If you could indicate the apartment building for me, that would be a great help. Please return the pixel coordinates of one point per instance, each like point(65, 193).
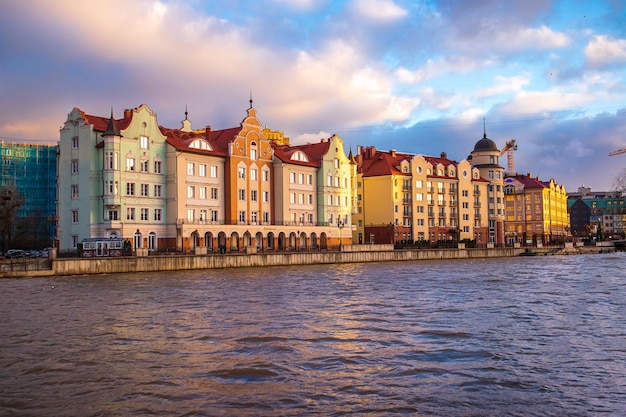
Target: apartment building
point(198, 190)
point(536, 211)
point(112, 179)
point(415, 198)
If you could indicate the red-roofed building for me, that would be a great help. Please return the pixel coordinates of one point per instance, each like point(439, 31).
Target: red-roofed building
point(536, 211)
point(405, 198)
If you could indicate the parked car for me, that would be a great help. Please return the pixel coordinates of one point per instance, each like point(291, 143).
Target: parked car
point(33, 253)
point(16, 253)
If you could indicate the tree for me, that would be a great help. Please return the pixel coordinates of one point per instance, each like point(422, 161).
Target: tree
point(11, 201)
point(619, 183)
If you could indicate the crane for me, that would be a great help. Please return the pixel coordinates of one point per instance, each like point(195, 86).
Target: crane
point(509, 148)
point(617, 152)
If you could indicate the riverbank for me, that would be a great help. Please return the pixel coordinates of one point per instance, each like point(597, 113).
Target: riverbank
point(348, 254)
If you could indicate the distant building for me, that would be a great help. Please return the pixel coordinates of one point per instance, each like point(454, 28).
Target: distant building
point(536, 211)
point(594, 213)
point(32, 170)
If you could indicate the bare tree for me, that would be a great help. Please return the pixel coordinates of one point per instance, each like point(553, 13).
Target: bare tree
point(11, 201)
point(619, 183)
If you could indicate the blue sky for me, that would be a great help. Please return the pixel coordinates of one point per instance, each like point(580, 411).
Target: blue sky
point(416, 76)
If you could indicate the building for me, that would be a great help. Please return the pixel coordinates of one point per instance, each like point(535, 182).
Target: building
point(486, 157)
point(536, 211)
point(405, 198)
point(205, 190)
point(597, 214)
point(112, 180)
point(30, 170)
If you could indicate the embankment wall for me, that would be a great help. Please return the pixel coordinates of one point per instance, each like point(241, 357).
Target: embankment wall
point(79, 266)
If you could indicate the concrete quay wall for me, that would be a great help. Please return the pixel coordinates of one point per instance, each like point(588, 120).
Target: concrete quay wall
point(154, 263)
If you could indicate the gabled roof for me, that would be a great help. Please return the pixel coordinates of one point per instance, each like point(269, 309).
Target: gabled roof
point(100, 124)
point(181, 140)
point(528, 182)
point(285, 152)
point(315, 151)
point(383, 163)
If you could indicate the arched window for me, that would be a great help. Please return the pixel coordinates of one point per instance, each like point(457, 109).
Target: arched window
point(200, 144)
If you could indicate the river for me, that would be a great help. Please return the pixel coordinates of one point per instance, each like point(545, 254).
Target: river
point(526, 336)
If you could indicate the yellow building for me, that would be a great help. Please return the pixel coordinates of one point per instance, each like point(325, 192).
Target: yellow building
point(536, 211)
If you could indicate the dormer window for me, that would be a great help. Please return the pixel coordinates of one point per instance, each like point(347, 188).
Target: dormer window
point(200, 144)
point(299, 156)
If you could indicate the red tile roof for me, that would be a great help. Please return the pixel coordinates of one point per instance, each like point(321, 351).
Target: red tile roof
point(284, 153)
point(100, 123)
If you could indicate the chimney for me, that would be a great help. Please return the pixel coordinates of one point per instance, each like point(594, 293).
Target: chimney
point(393, 153)
point(444, 155)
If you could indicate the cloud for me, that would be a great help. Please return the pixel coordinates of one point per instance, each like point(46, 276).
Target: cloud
point(378, 10)
point(504, 85)
point(603, 51)
point(434, 68)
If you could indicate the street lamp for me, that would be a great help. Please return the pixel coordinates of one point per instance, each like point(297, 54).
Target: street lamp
point(340, 225)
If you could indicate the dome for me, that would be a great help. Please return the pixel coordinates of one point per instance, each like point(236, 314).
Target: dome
point(485, 144)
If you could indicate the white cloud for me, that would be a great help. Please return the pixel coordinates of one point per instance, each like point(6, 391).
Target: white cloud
point(603, 50)
point(305, 138)
point(378, 10)
point(504, 85)
point(533, 38)
point(441, 67)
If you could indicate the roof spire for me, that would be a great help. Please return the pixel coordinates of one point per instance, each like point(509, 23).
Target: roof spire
point(250, 98)
point(186, 113)
point(484, 128)
point(111, 128)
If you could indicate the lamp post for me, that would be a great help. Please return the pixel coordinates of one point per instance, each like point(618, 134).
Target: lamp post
point(340, 225)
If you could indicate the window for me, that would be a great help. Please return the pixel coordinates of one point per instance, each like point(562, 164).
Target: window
point(191, 215)
point(301, 179)
point(130, 188)
point(266, 196)
point(143, 165)
point(143, 142)
point(310, 180)
point(130, 164)
point(213, 215)
point(74, 216)
point(266, 217)
point(74, 191)
point(202, 193)
point(336, 163)
point(113, 215)
point(157, 167)
point(74, 166)
point(241, 173)
point(301, 199)
point(266, 175)
point(203, 216)
point(242, 216)
point(253, 154)
point(329, 180)
point(191, 168)
point(157, 190)
point(191, 191)
point(310, 198)
point(145, 215)
point(490, 175)
point(292, 198)
point(213, 193)
point(292, 177)
point(253, 174)
point(110, 160)
point(213, 171)
point(242, 194)
point(75, 142)
point(202, 170)
point(253, 195)
point(144, 190)
point(130, 213)
point(157, 214)
point(110, 187)
point(254, 217)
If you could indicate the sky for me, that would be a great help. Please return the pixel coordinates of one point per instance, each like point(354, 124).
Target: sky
point(421, 77)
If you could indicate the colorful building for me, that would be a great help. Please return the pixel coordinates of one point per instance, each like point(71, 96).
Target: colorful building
point(536, 211)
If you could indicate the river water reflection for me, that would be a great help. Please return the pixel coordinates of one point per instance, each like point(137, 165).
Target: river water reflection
point(517, 336)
